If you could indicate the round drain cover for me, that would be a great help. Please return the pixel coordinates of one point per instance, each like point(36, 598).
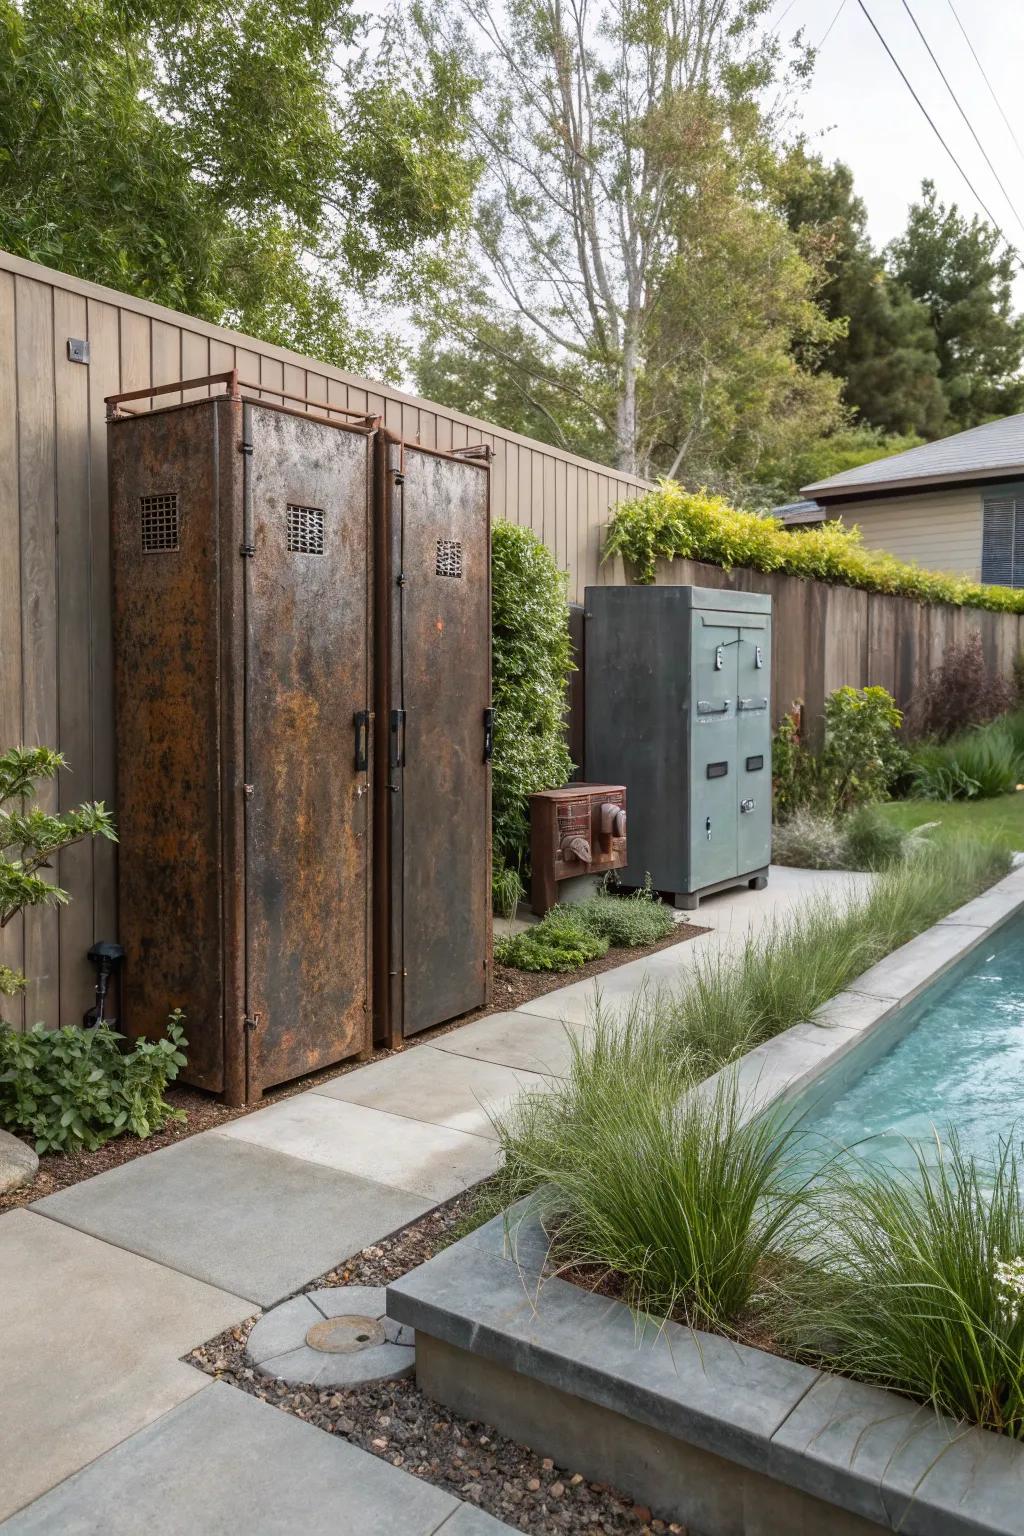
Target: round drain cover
point(345, 1335)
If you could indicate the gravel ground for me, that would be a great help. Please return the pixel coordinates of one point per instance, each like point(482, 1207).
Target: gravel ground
point(397, 1422)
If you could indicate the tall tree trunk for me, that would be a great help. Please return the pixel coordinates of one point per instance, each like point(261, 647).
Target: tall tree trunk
point(625, 415)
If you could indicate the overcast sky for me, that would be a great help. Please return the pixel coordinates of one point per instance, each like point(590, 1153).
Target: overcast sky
point(857, 108)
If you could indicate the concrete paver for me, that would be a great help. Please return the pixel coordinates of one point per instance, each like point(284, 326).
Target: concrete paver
point(244, 1217)
point(140, 1264)
point(90, 1339)
point(536, 1043)
point(429, 1084)
point(412, 1155)
point(224, 1462)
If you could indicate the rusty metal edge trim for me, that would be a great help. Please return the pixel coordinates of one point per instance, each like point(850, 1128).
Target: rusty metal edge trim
point(365, 427)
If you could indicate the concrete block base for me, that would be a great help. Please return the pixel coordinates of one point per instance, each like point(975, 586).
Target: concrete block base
point(680, 1482)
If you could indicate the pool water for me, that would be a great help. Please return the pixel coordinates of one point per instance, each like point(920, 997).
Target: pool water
point(961, 1066)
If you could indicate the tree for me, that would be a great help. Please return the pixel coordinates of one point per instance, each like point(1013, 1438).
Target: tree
point(251, 164)
point(618, 143)
point(963, 273)
point(31, 839)
point(884, 348)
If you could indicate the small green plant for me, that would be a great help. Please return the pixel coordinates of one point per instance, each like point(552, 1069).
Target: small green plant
point(671, 523)
point(979, 763)
point(569, 936)
point(918, 1282)
point(77, 1088)
point(627, 922)
point(31, 839)
point(507, 889)
point(872, 842)
point(559, 942)
point(632, 1171)
point(861, 758)
point(532, 660)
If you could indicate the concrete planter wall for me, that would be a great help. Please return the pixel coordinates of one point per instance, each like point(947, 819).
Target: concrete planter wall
point(727, 1439)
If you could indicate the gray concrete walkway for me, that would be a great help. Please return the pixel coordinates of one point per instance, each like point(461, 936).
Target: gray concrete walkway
point(106, 1285)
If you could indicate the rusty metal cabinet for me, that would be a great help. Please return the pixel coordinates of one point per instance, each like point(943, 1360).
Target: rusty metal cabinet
point(433, 939)
point(243, 577)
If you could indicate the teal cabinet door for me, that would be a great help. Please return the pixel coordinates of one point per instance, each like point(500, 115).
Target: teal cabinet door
point(714, 848)
point(754, 744)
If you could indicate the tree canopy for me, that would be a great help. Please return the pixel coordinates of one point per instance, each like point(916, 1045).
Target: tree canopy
point(251, 163)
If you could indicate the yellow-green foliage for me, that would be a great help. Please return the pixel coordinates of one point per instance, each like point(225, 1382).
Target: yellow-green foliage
point(671, 523)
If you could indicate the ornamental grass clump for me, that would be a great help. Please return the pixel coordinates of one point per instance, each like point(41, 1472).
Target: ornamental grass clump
point(918, 1282)
point(634, 1171)
point(732, 1002)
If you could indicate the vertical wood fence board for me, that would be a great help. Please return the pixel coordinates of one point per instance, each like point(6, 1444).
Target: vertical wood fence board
point(74, 684)
point(12, 937)
point(104, 379)
point(37, 493)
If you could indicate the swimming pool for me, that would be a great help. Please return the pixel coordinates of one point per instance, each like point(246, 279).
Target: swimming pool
point(958, 1062)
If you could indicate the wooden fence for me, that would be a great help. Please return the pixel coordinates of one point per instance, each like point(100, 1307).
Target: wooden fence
point(827, 637)
point(55, 647)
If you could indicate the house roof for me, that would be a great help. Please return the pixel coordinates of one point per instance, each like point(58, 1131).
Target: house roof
point(989, 452)
point(795, 513)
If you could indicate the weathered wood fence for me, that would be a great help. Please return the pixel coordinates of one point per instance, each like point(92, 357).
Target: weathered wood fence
point(827, 637)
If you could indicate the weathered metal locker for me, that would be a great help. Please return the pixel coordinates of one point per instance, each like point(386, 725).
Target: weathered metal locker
point(243, 574)
point(678, 709)
point(434, 732)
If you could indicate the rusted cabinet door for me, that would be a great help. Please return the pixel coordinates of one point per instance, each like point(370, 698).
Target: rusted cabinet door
point(307, 811)
point(441, 827)
point(165, 485)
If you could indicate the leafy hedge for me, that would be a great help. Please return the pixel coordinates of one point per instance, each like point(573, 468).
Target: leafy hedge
point(532, 660)
point(670, 523)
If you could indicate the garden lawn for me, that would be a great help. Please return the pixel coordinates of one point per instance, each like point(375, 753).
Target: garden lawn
point(1001, 816)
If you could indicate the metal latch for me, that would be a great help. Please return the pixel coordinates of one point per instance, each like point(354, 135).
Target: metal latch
point(488, 735)
point(361, 722)
point(251, 1021)
point(707, 828)
point(746, 806)
point(398, 738)
point(751, 705)
point(758, 656)
point(247, 791)
point(707, 707)
point(719, 657)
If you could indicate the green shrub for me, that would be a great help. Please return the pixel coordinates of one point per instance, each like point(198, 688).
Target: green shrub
point(934, 774)
point(872, 842)
point(670, 523)
point(532, 660)
point(918, 1282)
point(76, 1088)
point(983, 762)
point(633, 1173)
point(732, 1002)
point(557, 943)
point(861, 758)
point(627, 922)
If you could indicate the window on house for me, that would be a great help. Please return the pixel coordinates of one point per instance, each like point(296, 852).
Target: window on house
point(1002, 541)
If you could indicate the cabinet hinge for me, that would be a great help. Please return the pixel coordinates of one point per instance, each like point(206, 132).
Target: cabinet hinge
point(247, 791)
point(250, 1021)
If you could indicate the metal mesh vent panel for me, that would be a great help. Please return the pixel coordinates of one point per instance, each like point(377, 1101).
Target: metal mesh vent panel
point(159, 516)
point(449, 558)
point(305, 530)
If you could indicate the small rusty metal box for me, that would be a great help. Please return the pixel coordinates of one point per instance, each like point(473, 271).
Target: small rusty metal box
point(576, 831)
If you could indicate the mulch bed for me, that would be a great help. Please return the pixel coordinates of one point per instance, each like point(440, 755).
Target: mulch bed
point(399, 1423)
point(204, 1112)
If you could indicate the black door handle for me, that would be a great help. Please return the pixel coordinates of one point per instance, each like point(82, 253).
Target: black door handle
point(361, 721)
point(488, 735)
point(398, 738)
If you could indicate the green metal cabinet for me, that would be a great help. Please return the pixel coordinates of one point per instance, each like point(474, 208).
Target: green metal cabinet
point(677, 688)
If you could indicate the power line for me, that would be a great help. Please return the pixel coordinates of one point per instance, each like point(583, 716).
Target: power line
point(984, 76)
point(840, 8)
point(931, 123)
point(963, 114)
